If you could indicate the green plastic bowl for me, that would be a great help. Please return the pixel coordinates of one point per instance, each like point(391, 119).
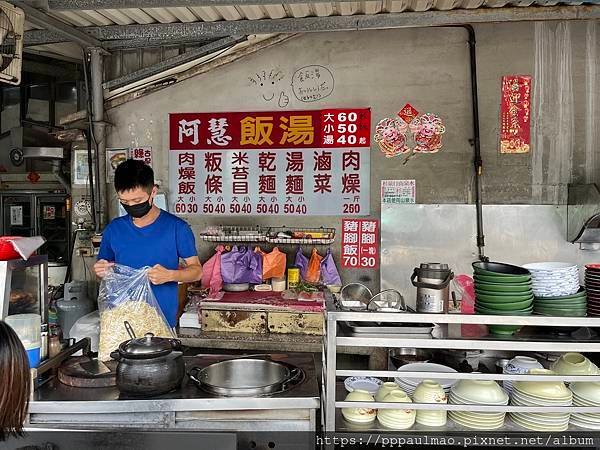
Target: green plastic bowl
point(495, 312)
point(503, 298)
point(515, 306)
point(502, 288)
point(570, 303)
point(498, 269)
point(561, 314)
point(505, 330)
point(502, 279)
point(547, 309)
point(523, 293)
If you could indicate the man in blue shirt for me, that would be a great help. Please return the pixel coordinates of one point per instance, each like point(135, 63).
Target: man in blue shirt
point(149, 236)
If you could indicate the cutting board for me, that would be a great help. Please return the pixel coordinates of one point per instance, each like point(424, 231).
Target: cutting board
point(72, 374)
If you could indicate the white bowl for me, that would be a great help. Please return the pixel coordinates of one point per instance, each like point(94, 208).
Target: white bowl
point(480, 391)
point(425, 367)
point(475, 424)
point(385, 389)
point(456, 399)
point(550, 266)
point(586, 390)
point(429, 391)
point(552, 390)
point(519, 365)
point(574, 364)
point(369, 384)
point(535, 426)
point(359, 415)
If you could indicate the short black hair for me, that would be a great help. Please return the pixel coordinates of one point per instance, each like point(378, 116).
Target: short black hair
point(132, 174)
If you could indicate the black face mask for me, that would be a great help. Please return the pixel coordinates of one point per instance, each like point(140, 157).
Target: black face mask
point(140, 210)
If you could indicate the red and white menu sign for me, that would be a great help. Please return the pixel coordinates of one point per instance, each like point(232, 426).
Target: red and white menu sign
point(360, 244)
point(141, 154)
point(270, 163)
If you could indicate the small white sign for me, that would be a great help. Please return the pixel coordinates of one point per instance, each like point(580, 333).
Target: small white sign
point(398, 191)
point(16, 216)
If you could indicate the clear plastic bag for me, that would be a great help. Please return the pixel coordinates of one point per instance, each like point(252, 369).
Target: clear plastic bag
point(126, 295)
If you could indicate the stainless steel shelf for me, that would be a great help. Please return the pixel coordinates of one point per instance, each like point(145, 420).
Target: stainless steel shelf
point(450, 334)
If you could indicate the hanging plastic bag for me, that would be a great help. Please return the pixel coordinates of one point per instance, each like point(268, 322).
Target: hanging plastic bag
point(230, 269)
point(211, 272)
point(256, 266)
point(329, 273)
point(126, 295)
point(274, 264)
point(313, 271)
point(301, 262)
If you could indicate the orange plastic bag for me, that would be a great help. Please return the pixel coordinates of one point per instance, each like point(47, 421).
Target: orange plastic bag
point(274, 264)
point(313, 271)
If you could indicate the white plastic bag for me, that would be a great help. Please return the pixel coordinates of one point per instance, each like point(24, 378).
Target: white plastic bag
point(126, 295)
point(87, 326)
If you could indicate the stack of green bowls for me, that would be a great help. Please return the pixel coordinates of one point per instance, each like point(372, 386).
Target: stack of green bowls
point(566, 306)
point(504, 290)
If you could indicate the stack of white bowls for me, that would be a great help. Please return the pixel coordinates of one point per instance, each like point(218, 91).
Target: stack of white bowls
point(553, 279)
point(409, 385)
point(586, 394)
point(541, 393)
point(519, 365)
point(430, 391)
point(478, 392)
point(397, 419)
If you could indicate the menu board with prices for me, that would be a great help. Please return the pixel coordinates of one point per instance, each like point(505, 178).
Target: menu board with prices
point(270, 163)
point(360, 244)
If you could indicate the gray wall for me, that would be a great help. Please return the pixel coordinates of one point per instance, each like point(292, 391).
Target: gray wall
point(428, 68)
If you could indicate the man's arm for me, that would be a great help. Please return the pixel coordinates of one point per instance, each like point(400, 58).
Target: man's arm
point(188, 274)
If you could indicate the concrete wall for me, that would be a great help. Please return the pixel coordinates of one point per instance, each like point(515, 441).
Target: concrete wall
point(430, 69)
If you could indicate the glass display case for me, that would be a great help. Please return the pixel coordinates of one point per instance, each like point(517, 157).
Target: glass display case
point(24, 287)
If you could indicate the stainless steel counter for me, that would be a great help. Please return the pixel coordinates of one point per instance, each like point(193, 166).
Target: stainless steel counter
point(58, 405)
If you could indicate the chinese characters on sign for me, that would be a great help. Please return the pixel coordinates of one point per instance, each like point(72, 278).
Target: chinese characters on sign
point(515, 114)
point(269, 163)
point(141, 154)
point(398, 191)
point(360, 244)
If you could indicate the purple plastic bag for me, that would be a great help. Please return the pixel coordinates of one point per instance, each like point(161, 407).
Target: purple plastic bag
point(329, 273)
point(301, 262)
point(256, 267)
point(235, 266)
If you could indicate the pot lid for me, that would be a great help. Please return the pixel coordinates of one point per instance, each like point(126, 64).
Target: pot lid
point(149, 346)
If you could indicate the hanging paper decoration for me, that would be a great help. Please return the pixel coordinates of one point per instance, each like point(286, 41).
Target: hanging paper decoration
point(390, 134)
point(408, 113)
point(515, 111)
point(427, 133)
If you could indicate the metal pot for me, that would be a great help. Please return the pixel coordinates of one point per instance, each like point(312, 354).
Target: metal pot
point(433, 292)
point(246, 377)
point(149, 366)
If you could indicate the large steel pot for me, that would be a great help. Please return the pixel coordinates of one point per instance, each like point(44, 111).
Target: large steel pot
point(246, 377)
point(149, 366)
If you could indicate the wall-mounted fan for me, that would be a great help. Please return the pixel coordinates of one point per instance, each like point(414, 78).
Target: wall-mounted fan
point(11, 43)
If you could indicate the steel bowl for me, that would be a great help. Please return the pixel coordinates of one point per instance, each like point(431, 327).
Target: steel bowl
point(389, 300)
point(355, 296)
point(245, 377)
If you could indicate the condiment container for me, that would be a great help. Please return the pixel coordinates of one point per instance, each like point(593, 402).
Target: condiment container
point(278, 284)
point(28, 327)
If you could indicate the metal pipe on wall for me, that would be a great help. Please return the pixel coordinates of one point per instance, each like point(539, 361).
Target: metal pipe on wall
point(99, 132)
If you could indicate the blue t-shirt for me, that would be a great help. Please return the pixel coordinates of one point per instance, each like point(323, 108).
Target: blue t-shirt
point(162, 242)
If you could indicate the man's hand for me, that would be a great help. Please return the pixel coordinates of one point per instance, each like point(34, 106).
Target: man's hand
point(159, 275)
point(102, 267)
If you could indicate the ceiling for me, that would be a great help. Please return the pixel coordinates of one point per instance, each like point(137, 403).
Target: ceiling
point(142, 23)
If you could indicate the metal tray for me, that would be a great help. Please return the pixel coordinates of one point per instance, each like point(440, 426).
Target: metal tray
point(399, 328)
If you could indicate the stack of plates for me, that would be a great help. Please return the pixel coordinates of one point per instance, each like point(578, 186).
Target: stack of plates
point(409, 385)
point(502, 289)
point(554, 279)
point(541, 393)
point(474, 392)
point(565, 306)
point(592, 286)
point(586, 394)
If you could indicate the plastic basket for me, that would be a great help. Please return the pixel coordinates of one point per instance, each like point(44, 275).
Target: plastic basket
point(7, 251)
